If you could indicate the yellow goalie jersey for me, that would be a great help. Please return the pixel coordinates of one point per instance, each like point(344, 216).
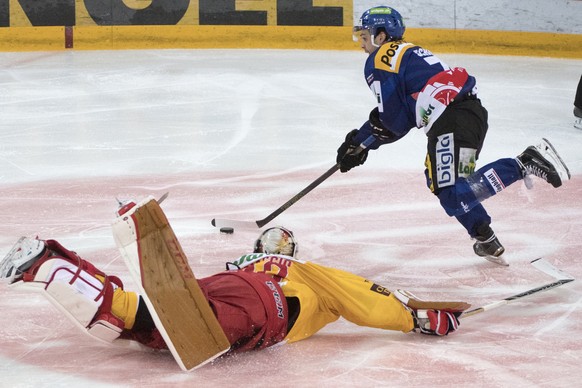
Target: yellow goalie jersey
point(318, 295)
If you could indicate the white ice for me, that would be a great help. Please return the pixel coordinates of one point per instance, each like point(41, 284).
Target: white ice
point(235, 134)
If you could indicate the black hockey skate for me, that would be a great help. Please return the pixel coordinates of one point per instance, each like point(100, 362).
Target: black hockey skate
point(488, 246)
point(544, 162)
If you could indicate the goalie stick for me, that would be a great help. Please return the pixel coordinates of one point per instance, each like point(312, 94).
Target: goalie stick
point(542, 265)
point(167, 285)
point(163, 197)
point(221, 222)
point(126, 205)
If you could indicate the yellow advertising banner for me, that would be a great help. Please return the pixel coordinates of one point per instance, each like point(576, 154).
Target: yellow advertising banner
point(32, 25)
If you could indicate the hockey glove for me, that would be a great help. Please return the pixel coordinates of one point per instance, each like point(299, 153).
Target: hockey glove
point(378, 129)
point(436, 322)
point(349, 155)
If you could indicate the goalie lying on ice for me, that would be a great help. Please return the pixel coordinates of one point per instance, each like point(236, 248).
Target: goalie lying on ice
point(261, 299)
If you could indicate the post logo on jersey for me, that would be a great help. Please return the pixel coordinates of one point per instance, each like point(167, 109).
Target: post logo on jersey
point(445, 160)
point(389, 56)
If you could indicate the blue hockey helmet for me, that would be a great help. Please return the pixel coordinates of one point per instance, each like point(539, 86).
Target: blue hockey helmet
point(380, 19)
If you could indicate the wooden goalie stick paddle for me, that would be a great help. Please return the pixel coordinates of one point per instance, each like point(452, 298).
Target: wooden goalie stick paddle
point(542, 265)
point(221, 222)
point(167, 285)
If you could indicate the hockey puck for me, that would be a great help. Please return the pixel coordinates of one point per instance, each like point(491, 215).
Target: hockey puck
point(227, 230)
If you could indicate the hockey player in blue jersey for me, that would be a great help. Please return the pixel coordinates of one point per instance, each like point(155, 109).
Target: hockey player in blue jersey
point(414, 88)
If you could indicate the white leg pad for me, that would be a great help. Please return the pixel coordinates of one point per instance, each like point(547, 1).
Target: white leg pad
point(104, 330)
point(77, 305)
point(77, 294)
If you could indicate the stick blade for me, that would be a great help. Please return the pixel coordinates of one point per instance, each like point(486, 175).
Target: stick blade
point(546, 267)
point(225, 223)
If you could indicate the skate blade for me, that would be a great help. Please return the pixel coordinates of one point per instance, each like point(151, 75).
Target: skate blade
point(550, 152)
point(499, 260)
point(7, 265)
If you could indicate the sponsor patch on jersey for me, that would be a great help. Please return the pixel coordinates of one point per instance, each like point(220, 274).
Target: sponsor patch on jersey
point(278, 300)
point(244, 260)
point(422, 52)
point(494, 180)
point(380, 289)
point(439, 91)
point(445, 160)
point(467, 158)
point(390, 55)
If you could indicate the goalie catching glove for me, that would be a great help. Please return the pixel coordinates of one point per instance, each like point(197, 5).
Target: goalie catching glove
point(349, 155)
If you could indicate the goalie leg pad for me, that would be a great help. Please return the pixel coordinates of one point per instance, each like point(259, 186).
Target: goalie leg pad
point(82, 292)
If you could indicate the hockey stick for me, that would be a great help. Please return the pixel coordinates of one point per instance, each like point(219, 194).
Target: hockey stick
point(505, 301)
point(547, 268)
point(163, 197)
point(219, 223)
point(543, 266)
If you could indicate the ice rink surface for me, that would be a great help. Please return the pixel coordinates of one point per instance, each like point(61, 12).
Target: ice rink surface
point(235, 134)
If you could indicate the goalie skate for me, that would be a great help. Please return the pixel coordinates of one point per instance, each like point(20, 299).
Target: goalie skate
point(544, 162)
point(22, 255)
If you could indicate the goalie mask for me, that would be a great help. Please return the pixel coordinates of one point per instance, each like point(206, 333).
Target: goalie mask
point(277, 241)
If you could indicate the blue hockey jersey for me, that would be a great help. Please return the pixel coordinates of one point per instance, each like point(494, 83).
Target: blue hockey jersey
point(412, 88)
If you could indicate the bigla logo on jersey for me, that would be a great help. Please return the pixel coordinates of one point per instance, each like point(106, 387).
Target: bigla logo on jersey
point(445, 160)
